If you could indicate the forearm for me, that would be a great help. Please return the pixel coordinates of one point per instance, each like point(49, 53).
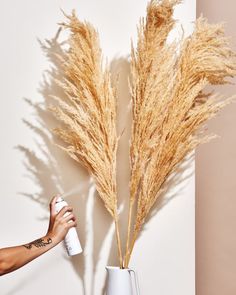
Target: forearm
point(13, 258)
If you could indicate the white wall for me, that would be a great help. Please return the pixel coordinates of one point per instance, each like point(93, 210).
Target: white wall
point(164, 255)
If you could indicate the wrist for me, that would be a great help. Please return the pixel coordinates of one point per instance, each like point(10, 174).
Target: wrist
point(52, 239)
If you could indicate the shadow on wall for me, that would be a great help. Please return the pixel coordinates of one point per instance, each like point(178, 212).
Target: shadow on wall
point(54, 172)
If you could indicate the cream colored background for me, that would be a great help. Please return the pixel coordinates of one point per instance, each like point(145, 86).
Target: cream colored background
point(32, 173)
point(216, 185)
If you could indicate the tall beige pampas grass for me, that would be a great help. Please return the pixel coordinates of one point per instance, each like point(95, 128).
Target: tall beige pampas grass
point(89, 114)
point(151, 65)
point(169, 105)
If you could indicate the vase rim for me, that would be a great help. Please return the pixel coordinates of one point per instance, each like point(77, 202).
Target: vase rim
point(110, 267)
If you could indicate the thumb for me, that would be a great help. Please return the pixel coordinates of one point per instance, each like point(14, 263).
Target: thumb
point(52, 205)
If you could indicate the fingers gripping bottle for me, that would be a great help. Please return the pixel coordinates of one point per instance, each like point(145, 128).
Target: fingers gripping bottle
point(71, 240)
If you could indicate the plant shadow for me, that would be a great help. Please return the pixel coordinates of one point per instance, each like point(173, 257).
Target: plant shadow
point(54, 172)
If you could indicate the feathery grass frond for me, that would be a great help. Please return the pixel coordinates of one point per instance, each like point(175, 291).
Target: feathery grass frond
point(152, 64)
point(170, 106)
point(89, 114)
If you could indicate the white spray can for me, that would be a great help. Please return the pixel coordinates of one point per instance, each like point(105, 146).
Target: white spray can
point(71, 240)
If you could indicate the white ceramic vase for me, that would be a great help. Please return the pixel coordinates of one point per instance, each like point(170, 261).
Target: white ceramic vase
point(121, 281)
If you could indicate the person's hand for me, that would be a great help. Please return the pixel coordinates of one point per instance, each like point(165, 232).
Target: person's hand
point(58, 223)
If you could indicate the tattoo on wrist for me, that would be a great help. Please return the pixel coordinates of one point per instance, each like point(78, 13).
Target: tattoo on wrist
point(38, 243)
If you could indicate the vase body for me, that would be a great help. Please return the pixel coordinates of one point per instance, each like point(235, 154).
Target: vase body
point(121, 281)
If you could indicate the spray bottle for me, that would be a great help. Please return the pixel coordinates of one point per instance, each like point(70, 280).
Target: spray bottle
point(71, 240)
